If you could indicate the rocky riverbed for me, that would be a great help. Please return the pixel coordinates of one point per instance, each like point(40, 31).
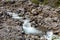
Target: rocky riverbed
point(42, 17)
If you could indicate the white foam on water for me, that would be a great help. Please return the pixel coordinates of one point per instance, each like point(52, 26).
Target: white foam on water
point(49, 35)
point(28, 29)
point(14, 15)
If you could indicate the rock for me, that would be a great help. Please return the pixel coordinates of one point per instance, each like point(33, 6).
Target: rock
point(1, 27)
point(39, 9)
point(46, 7)
point(52, 9)
point(20, 10)
point(58, 10)
point(22, 0)
point(34, 11)
point(9, 1)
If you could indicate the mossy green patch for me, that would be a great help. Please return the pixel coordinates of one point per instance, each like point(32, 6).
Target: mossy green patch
point(52, 3)
point(35, 1)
